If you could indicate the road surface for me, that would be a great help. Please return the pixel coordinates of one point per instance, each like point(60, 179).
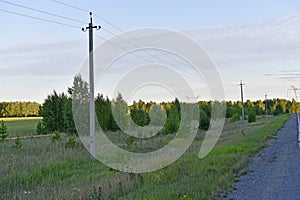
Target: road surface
point(275, 170)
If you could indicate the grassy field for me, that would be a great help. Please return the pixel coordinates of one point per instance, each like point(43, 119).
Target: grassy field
point(22, 126)
point(43, 169)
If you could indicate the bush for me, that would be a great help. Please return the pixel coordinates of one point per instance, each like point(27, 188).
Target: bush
point(129, 141)
point(204, 120)
point(251, 117)
point(72, 142)
point(3, 131)
point(56, 136)
point(40, 128)
point(235, 117)
point(17, 144)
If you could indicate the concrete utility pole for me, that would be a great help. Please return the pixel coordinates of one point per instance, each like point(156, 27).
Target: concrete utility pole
point(242, 98)
point(91, 81)
point(266, 99)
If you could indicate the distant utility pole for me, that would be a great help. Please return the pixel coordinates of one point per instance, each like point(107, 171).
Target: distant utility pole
point(295, 91)
point(242, 97)
point(91, 74)
point(266, 99)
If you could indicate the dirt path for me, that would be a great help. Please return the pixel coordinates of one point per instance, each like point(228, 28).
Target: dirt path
point(275, 170)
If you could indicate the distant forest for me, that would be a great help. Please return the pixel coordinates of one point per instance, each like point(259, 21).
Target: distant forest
point(57, 110)
point(19, 109)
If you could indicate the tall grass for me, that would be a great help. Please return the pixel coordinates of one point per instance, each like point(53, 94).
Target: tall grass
point(43, 169)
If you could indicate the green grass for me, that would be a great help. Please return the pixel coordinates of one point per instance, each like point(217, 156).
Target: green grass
point(23, 126)
point(210, 177)
point(43, 169)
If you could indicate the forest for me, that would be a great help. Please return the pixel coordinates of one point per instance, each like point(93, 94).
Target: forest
point(19, 109)
point(58, 116)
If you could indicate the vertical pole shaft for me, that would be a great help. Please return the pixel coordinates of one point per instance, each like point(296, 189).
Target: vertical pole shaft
point(266, 98)
point(242, 98)
point(92, 100)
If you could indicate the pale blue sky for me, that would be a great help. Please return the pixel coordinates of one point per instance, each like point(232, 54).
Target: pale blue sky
point(31, 67)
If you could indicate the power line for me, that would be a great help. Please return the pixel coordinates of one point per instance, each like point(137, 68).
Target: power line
point(41, 11)
point(69, 5)
point(116, 45)
point(40, 19)
point(118, 28)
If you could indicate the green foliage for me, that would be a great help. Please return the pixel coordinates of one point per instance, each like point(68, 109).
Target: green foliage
point(188, 177)
point(56, 136)
point(251, 117)
point(3, 131)
point(104, 112)
point(129, 140)
point(51, 172)
point(19, 109)
point(139, 114)
point(204, 120)
point(278, 110)
point(17, 144)
point(172, 122)
point(52, 112)
point(235, 117)
point(40, 128)
point(72, 142)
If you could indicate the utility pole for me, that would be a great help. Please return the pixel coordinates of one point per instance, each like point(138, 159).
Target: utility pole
point(242, 98)
point(91, 81)
point(266, 99)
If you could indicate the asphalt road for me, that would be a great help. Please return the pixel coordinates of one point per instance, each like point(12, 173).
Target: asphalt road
point(275, 170)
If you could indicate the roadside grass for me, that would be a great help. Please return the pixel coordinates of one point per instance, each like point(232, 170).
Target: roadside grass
point(43, 169)
point(22, 126)
point(208, 178)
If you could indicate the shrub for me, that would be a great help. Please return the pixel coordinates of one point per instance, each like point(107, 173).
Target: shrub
point(3, 131)
point(235, 117)
point(251, 117)
point(129, 140)
point(17, 144)
point(40, 128)
point(72, 142)
point(204, 120)
point(56, 136)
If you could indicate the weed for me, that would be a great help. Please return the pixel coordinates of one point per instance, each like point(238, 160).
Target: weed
point(56, 136)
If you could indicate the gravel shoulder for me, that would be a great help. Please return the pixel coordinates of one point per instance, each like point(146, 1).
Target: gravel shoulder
point(275, 170)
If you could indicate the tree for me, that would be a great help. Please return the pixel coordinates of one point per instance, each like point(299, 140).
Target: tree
point(3, 131)
point(103, 112)
point(80, 108)
point(52, 112)
point(204, 120)
point(278, 110)
point(251, 116)
point(120, 112)
point(172, 121)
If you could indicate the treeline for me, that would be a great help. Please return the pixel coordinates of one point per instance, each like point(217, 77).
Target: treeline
point(58, 116)
point(19, 109)
point(275, 106)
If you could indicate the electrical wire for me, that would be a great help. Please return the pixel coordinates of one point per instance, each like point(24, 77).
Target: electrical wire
point(116, 45)
point(41, 11)
point(69, 5)
point(116, 27)
point(40, 19)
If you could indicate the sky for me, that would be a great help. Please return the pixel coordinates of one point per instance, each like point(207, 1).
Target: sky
point(254, 41)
